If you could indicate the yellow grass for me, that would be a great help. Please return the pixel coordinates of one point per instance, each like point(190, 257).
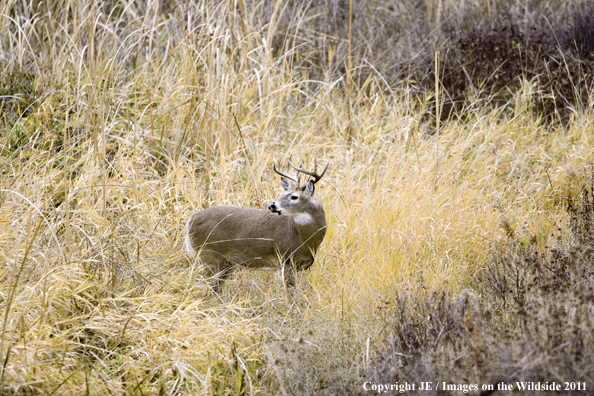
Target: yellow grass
point(129, 132)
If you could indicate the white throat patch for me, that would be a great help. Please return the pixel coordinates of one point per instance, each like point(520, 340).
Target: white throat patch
point(188, 242)
point(188, 246)
point(302, 219)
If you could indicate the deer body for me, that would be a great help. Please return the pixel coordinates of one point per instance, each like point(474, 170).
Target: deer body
point(286, 236)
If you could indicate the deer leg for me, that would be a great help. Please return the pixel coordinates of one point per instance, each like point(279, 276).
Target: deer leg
point(224, 273)
point(289, 272)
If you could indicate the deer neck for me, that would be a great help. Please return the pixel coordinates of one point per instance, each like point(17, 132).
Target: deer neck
point(311, 228)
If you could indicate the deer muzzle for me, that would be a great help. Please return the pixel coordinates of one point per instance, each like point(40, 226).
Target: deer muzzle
point(273, 208)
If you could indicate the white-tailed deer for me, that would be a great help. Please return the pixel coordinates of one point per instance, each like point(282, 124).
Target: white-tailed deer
point(286, 236)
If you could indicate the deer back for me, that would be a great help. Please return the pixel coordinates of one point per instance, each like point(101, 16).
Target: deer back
point(248, 238)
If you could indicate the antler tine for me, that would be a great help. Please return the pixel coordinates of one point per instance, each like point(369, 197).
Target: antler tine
point(286, 174)
point(313, 173)
point(325, 168)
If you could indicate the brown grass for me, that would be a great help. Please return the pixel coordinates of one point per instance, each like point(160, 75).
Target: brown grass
point(118, 122)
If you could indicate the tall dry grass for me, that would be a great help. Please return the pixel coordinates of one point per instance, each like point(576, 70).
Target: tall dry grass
point(120, 120)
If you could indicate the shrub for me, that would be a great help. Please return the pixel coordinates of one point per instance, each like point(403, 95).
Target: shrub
point(532, 322)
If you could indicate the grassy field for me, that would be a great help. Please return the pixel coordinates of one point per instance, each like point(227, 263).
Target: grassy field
point(459, 245)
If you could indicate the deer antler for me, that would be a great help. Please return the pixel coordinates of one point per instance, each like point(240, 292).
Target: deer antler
point(313, 173)
point(287, 175)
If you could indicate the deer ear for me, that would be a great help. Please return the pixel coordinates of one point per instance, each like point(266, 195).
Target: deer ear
point(285, 184)
point(310, 187)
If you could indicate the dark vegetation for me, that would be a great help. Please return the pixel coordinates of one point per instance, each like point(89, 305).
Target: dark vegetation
point(531, 319)
point(485, 51)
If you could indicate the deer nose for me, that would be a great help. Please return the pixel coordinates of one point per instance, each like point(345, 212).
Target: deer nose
point(272, 206)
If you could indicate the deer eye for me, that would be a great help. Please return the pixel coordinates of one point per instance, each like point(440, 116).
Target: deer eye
point(293, 197)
